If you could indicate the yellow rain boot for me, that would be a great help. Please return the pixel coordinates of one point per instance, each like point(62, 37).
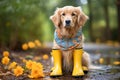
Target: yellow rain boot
point(77, 59)
point(57, 58)
point(85, 69)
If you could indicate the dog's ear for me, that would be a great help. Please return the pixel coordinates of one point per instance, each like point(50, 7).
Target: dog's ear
point(82, 18)
point(56, 18)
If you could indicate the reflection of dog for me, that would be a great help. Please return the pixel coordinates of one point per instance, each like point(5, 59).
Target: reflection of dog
point(67, 49)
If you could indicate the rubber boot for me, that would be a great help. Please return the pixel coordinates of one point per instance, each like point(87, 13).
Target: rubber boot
point(85, 69)
point(57, 61)
point(77, 59)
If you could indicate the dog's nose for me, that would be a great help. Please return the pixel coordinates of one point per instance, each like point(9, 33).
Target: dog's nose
point(67, 22)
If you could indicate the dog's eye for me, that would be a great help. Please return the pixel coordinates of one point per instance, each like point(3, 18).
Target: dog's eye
point(73, 14)
point(63, 14)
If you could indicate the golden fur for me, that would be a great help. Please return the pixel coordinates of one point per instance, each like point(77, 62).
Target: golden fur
point(77, 19)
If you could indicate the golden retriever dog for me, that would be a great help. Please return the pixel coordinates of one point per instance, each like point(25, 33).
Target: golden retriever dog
point(68, 22)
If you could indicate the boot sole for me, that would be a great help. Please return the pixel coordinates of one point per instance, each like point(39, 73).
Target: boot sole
point(85, 72)
point(55, 76)
point(78, 76)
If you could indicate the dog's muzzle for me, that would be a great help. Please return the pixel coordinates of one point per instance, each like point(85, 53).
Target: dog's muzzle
point(67, 23)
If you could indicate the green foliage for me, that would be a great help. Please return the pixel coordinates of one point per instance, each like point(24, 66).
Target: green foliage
point(23, 20)
point(98, 21)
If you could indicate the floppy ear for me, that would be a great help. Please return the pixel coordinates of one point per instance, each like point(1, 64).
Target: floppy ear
point(56, 18)
point(82, 18)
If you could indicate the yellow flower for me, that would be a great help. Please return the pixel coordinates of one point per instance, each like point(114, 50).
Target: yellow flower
point(116, 62)
point(37, 65)
point(18, 71)
point(36, 72)
point(12, 65)
point(37, 42)
point(24, 46)
point(31, 44)
point(5, 53)
point(36, 69)
point(5, 60)
point(101, 60)
point(45, 56)
point(29, 64)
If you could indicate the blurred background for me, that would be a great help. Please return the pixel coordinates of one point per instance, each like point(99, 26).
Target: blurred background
point(23, 21)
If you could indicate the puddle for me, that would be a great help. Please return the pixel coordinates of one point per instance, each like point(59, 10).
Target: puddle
point(109, 63)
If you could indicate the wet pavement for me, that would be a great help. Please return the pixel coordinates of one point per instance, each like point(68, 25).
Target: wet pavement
point(107, 58)
point(103, 56)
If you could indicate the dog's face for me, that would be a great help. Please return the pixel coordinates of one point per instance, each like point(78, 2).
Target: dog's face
point(68, 17)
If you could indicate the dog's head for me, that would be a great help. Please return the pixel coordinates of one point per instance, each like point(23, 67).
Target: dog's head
point(68, 17)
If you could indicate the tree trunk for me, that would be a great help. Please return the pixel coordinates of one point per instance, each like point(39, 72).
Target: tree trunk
point(90, 20)
point(118, 11)
point(107, 29)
